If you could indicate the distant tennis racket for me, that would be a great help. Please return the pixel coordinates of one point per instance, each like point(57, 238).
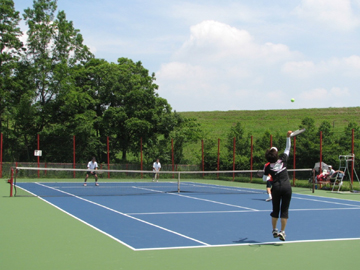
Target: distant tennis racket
point(260, 173)
point(297, 132)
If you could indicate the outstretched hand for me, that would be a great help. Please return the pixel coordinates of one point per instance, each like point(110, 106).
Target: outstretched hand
point(289, 133)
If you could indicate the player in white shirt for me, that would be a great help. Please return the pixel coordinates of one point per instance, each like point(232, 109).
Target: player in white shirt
point(156, 168)
point(92, 167)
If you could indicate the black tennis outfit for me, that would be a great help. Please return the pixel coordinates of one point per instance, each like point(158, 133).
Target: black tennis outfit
point(281, 187)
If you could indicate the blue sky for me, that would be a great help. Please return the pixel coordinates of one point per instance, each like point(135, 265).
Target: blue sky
point(231, 55)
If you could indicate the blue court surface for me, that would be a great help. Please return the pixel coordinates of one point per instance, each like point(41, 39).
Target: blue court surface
point(147, 216)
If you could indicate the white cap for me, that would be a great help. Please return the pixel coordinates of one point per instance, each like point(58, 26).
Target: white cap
point(274, 148)
point(324, 171)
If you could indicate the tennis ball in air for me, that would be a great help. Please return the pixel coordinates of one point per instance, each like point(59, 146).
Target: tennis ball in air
point(293, 100)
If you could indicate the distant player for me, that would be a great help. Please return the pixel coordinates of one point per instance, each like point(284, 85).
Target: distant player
point(281, 187)
point(269, 181)
point(92, 167)
point(156, 169)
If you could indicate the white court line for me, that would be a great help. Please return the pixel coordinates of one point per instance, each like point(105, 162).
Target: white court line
point(62, 210)
point(323, 201)
point(126, 215)
point(239, 211)
point(212, 186)
point(323, 197)
point(254, 244)
point(200, 199)
point(208, 245)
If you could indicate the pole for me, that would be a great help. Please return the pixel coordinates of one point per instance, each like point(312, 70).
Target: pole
point(218, 157)
point(1, 155)
point(141, 157)
point(202, 156)
point(74, 155)
point(38, 158)
point(353, 156)
point(108, 154)
point(172, 156)
point(234, 148)
point(251, 157)
point(294, 165)
point(320, 169)
point(12, 182)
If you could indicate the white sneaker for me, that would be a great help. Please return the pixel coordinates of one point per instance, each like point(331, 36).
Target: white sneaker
point(268, 199)
point(282, 235)
point(84, 184)
point(275, 233)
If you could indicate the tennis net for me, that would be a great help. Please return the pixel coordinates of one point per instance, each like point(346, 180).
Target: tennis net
point(45, 182)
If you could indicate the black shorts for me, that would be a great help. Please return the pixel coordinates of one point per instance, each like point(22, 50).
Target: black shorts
point(89, 173)
point(269, 184)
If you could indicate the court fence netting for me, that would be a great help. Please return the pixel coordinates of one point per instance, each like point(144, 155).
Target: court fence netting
point(53, 182)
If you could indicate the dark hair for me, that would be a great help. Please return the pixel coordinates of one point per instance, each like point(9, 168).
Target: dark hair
point(271, 155)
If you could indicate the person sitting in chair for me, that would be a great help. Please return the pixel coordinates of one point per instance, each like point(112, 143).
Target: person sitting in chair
point(322, 177)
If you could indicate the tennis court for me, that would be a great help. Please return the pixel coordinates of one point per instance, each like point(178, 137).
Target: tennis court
point(162, 230)
point(153, 217)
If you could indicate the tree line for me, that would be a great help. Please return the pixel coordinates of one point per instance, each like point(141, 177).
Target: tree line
point(307, 147)
point(52, 85)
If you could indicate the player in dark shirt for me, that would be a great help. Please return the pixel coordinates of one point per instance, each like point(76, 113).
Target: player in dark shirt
point(281, 187)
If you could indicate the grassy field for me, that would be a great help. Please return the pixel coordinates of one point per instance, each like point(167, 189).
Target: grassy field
point(36, 235)
point(218, 123)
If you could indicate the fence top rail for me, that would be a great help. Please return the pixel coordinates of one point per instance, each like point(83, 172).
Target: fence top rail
point(148, 171)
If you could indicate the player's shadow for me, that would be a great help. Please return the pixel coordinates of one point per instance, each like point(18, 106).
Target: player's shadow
point(263, 200)
point(256, 243)
point(246, 241)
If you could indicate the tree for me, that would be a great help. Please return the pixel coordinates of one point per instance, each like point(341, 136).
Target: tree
point(10, 52)
point(54, 51)
point(307, 148)
point(54, 48)
point(126, 104)
point(242, 148)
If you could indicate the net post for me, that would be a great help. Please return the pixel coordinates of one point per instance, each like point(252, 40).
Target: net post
point(38, 157)
point(1, 155)
point(11, 182)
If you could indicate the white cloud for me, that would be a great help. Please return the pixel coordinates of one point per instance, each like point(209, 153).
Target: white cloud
point(346, 66)
point(322, 97)
point(225, 11)
point(215, 41)
point(337, 14)
point(221, 66)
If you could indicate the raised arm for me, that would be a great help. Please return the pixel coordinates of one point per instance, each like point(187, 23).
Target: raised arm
point(288, 143)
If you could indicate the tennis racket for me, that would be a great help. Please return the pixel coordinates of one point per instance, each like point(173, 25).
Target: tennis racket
point(297, 132)
point(260, 173)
